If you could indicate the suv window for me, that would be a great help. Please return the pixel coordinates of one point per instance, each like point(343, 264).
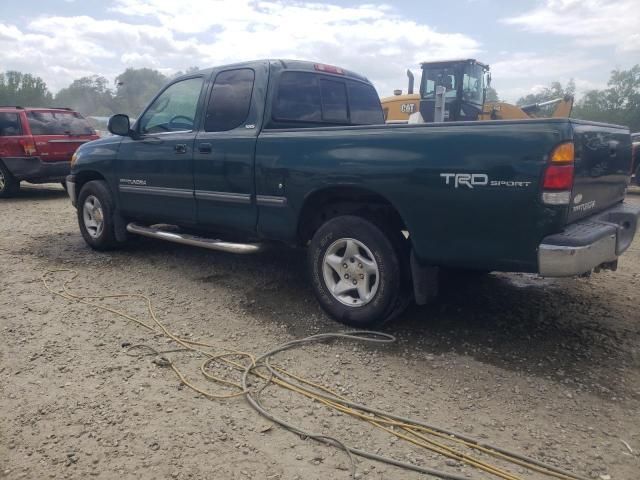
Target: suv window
point(230, 100)
point(58, 123)
point(308, 97)
point(364, 105)
point(10, 124)
point(175, 109)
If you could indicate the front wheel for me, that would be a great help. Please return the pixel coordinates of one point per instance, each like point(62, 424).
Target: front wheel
point(95, 215)
point(9, 186)
point(355, 271)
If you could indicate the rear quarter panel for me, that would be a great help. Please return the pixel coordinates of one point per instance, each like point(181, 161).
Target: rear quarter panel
point(488, 226)
point(602, 167)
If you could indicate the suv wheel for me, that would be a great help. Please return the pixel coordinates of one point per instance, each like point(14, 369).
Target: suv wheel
point(9, 186)
point(95, 215)
point(355, 271)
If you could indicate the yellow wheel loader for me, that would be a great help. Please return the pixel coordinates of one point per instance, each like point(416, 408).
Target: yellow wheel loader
point(463, 84)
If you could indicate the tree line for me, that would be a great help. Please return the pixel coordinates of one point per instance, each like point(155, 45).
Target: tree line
point(93, 95)
point(619, 103)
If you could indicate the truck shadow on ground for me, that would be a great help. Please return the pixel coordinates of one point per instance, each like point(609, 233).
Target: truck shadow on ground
point(33, 192)
point(555, 329)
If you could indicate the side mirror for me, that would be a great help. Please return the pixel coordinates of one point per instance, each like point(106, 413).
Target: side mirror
point(119, 125)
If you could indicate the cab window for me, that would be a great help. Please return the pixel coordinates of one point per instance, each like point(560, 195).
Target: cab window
point(364, 104)
point(312, 98)
point(230, 100)
point(298, 98)
point(334, 101)
point(175, 109)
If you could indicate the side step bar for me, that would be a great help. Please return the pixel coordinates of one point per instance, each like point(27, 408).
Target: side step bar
point(186, 239)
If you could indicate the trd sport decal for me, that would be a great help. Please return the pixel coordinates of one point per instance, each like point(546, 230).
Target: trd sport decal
point(471, 180)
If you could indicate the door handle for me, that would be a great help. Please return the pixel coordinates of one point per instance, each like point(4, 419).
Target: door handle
point(204, 148)
point(180, 148)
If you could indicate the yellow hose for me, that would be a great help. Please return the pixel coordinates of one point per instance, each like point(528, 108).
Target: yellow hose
point(413, 433)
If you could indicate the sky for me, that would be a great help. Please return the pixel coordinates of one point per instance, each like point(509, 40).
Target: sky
point(527, 43)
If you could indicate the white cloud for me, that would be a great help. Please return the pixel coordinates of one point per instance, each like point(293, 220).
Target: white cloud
point(590, 23)
point(372, 39)
point(520, 73)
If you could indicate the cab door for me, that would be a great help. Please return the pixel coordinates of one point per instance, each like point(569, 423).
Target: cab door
point(225, 149)
point(155, 164)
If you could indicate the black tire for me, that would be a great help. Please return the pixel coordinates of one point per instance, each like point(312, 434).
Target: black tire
point(9, 186)
point(104, 238)
point(388, 301)
point(638, 173)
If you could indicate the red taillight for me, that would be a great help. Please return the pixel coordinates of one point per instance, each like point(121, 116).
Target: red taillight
point(558, 177)
point(328, 69)
point(28, 146)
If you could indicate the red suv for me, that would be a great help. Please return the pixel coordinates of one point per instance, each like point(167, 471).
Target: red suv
point(36, 145)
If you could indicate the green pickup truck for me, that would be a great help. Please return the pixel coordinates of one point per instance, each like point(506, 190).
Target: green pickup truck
point(236, 157)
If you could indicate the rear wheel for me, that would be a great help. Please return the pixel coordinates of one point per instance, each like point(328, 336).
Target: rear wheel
point(9, 186)
point(95, 215)
point(355, 272)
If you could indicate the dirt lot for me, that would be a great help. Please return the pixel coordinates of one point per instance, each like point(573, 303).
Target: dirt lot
point(550, 368)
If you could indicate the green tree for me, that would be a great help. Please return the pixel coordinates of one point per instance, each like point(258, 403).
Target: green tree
point(620, 103)
point(553, 91)
point(135, 87)
point(24, 89)
point(186, 72)
point(87, 95)
point(492, 95)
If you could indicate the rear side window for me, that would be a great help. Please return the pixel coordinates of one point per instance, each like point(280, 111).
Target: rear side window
point(10, 124)
point(308, 97)
point(365, 104)
point(230, 100)
point(58, 123)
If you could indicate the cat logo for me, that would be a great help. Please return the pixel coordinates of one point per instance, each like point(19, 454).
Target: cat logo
point(408, 107)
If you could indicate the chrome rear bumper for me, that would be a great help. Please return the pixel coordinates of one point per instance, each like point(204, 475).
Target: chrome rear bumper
point(590, 243)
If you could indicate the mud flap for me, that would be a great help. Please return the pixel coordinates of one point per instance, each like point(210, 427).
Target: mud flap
point(425, 281)
point(119, 227)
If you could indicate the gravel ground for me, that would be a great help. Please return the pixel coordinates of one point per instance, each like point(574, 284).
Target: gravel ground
point(550, 368)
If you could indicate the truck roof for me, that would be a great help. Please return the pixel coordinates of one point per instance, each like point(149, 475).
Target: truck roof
point(293, 65)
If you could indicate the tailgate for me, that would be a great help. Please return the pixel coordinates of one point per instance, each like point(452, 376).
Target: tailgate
point(57, 134)
point(57, 148)
point(602, 167)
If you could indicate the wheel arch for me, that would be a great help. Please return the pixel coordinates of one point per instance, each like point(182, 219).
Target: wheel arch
point(86, 176)
point(328, 202)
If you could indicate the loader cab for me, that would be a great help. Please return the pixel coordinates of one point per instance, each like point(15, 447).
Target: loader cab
point(465, 83)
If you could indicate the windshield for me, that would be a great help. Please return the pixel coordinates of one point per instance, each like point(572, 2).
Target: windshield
point(438, 76)
point(473, 84)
